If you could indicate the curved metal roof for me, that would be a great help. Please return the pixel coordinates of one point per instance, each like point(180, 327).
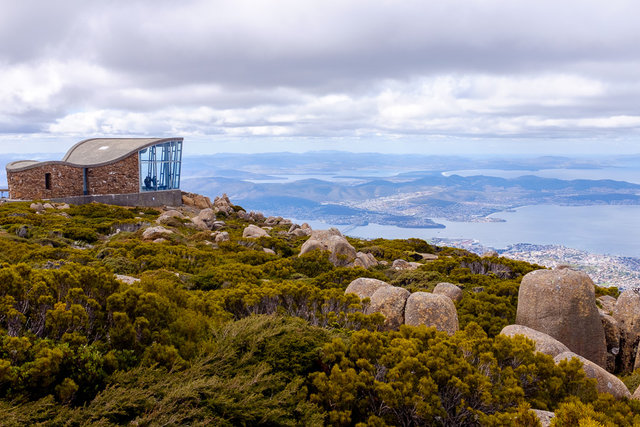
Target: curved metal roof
point(96, 152)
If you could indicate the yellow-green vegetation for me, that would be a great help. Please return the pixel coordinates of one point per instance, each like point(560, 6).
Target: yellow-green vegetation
point(228, 334)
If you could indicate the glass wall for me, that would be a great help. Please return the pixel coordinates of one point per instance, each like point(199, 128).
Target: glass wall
point(160, 166)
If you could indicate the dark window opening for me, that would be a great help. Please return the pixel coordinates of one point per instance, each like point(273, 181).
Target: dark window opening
point(47, 181)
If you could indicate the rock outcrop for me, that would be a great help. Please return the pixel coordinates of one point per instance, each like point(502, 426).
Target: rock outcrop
point(389, 301)
point(424, 308)
point(544, 343)
point(196, 200)
point(223, 204)
point(606, 382)
point(561, 303)
point(627, 313)
point(448, 289)
point(341, 252)
point(254, 232)
point(364, 287)
point(300, 230)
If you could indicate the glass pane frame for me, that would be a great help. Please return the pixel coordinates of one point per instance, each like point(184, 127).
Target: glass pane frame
point(160, 166)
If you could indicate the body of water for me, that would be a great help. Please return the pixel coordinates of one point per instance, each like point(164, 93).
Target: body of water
point(606, 229)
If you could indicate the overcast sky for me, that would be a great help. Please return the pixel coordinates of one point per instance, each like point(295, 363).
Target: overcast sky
point(442, 76)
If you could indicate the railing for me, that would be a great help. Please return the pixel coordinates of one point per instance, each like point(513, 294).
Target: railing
point(3, 191)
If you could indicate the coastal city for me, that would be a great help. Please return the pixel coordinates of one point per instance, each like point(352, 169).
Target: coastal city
point(604, 270)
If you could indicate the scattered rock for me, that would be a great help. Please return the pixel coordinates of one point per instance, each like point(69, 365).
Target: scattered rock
point(269, 251)
point(23, 232)
point(389, 301)
point(63, 206)
point(364, 260)
point(129, 280)
point(254, 232)
point(342, 253)
point(38, 207)
point(544, 417)
point(153, 233)
point(220, 236)
point(48, 206)
point(544, 343)
point(562, 304)
point(217, 225)
point(423, 308)
point(251, 216)
point(606, 382)
point(364, 287)
point(272, 220)
point(167, 216)
point(401, 264)
point(448, 289)
point(160, 240)
point(428, 257)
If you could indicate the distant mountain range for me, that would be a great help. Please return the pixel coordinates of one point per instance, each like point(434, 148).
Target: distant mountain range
point(402, 190)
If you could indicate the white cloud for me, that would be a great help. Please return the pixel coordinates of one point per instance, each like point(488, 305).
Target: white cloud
point(321, 69)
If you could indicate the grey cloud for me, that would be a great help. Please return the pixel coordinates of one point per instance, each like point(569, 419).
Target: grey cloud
point(260, 60)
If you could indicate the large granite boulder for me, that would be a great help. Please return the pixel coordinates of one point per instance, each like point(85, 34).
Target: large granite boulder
point(544, 343)
point(253, 232)
point(608, 303)
point(389, 301)
point(341, 252)
point(364, 287)
point(627, 313)
point(207, 217)
point(423, 308)
point(448, 289)
point(562, 304)
point(636, 394)
point(606, 382)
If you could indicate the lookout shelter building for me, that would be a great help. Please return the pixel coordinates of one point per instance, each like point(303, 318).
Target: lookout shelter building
point(120, 171)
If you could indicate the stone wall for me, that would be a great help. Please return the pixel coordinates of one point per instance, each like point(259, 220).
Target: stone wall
point(121, 177)
point(29, 184)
